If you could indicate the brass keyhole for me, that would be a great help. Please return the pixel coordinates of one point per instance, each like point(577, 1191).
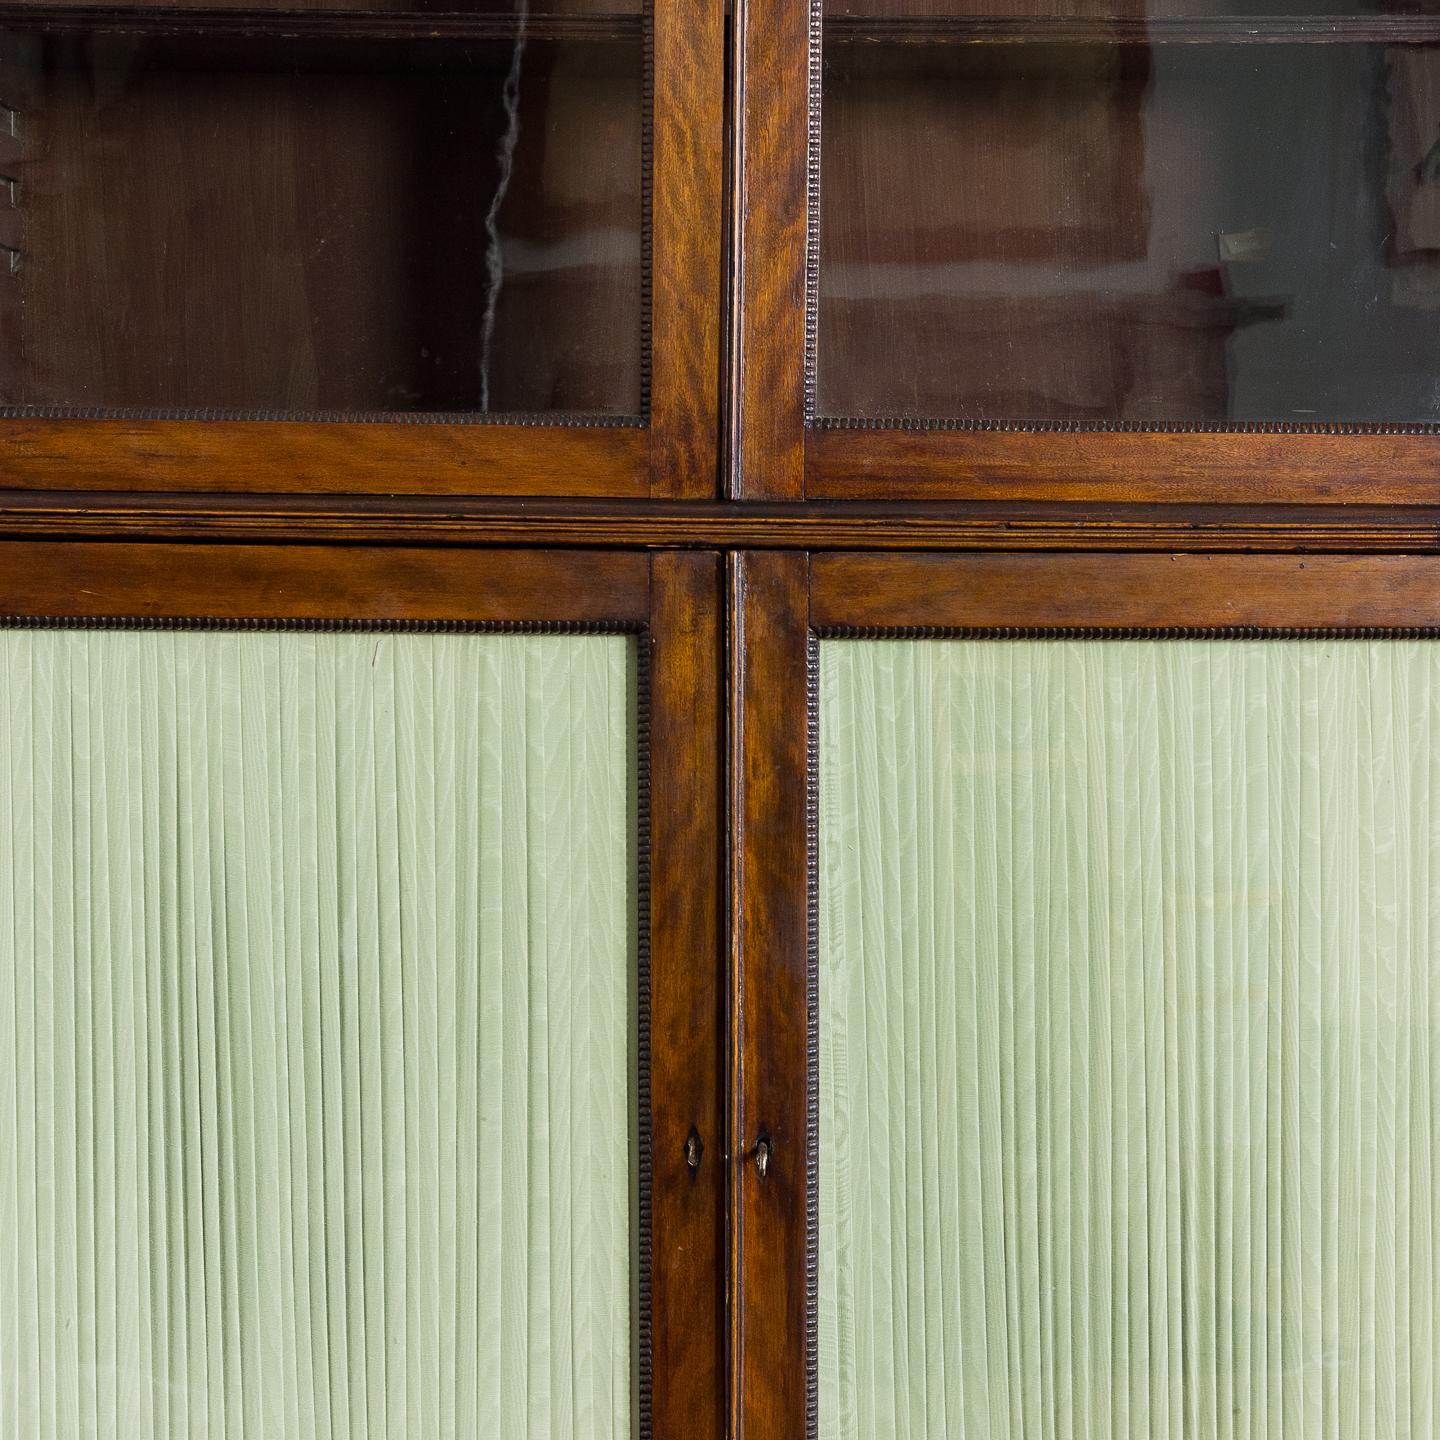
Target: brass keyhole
point(762, 1155)
point(694, 1149)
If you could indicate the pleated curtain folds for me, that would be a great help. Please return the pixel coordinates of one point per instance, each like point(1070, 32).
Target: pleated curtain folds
point(1129, 1082)
point(317, 1035)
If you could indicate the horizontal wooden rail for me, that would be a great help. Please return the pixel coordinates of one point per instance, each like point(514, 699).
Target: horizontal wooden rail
point(420, 520)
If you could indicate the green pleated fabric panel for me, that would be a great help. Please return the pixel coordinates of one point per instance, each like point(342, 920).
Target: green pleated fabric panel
point(1129, 1040)
point(317, 1035)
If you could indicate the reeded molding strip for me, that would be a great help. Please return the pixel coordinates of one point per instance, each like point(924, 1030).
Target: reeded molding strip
point(821, 525)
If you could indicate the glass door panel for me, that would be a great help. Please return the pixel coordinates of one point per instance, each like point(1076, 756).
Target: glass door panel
point(1129, 1038)
point(1107, 214)
point(302, 212)
point(318, 1034)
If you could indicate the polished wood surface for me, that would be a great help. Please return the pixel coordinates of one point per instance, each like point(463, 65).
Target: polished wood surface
point(1125, 591)
point(771, 525)
point(687, 238)
point(771, 1019)
point(202, 456)
point(770, 235)
point(1246, 469)
point(687, 1004)
point(58, 579)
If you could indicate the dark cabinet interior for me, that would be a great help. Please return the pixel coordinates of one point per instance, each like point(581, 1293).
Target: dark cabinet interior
point(289, 213)
point(1113, 215)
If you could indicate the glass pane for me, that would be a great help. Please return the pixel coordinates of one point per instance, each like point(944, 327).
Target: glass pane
point(317, 1035)
point(1121, 214)
point(295, 213)
point(1129, 1039)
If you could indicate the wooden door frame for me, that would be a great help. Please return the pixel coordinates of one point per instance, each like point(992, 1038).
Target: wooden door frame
point(729, 1348)
point(671, 603)
point(779, 451)
point(783, 604)
point(672, 452)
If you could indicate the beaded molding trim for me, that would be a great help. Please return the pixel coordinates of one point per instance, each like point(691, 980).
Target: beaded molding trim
point(1130, 427)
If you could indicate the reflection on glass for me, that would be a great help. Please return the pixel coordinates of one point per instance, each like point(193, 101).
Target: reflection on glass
point(299, 214)
point(1129, 1040)
point(1104, 215)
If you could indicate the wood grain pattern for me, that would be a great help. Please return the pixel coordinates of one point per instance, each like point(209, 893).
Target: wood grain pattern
point(920, 525)
point(201, 455)
point(1139, 591)
point(56, 579)
point(1236, 469)
point(772, 57)
point(770, 1023)
point(687, 1011)
point(687, 277)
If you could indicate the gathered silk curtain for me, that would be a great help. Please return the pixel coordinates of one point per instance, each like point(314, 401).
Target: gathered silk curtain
point(317, 1035)
point(1129, 1040)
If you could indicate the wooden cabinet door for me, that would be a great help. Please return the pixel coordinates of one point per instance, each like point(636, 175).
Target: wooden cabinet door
point(1002, 250)
point(362, 994)
point(302, 248)
point(1088, 1011)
